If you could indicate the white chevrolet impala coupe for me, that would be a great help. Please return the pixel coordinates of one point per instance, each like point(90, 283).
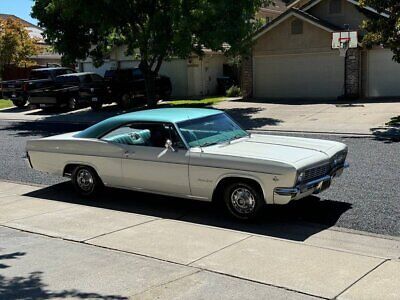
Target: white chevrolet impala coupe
point(198, 154)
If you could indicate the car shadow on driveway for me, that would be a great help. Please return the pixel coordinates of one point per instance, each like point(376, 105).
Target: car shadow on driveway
point(296, 221)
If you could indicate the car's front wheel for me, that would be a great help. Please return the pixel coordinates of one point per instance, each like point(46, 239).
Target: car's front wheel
point(86, 181)
point(20, 103)
point(243, 200)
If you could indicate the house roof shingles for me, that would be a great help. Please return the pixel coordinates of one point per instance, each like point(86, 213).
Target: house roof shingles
point(25, 23)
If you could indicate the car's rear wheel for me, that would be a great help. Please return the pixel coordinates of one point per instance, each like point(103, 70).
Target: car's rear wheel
point(86, 181)
point(243, 200)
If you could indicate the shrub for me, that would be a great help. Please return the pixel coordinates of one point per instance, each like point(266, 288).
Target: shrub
point(234, 91)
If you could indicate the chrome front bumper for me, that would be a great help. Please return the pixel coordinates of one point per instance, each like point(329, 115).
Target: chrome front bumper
point(313, 187)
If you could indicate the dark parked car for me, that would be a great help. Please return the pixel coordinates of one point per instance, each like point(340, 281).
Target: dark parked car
point(128, 84)
point(73, 91)
point(19, 90)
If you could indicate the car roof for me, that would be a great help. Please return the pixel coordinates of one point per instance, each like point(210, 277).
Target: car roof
point(50, 69)
point(77, 74)
point(167, 115)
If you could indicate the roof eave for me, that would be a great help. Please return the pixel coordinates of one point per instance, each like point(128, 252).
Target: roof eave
point(285, 16)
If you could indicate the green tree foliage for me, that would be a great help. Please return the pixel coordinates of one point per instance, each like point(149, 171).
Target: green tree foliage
point(155, 30)
point(384, 30)
point(16, 46)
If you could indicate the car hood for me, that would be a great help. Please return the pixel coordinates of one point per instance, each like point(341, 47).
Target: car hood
point(296, 151)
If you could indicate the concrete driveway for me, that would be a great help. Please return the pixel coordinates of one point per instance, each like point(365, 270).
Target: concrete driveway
point(168, 250)
point(359, 118)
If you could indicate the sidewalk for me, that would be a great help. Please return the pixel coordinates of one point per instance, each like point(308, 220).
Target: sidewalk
point(166, 251)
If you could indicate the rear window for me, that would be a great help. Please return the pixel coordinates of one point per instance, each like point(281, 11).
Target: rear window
point(67, 79)
point(109, 73)
point(47, 74)
point(63, 72)
point(37, 74)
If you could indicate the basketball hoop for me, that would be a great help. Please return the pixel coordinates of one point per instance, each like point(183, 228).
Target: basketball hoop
point(344, 46)
point(344, 40)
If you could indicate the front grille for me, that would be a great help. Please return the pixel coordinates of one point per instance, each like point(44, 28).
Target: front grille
point(316, 172)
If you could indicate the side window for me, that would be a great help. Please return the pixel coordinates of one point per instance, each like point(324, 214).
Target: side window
point(136, 73)
point(145, 134)
point(335, 6)
point(86, 79)
point(96, 78)
point(297, 27)
point(129, 135)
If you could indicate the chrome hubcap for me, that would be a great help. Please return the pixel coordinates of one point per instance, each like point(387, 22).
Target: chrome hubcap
point(243, 200)
point(85, 180)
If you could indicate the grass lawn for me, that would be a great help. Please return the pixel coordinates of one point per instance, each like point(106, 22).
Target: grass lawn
point(5, 103)
point(193, 103)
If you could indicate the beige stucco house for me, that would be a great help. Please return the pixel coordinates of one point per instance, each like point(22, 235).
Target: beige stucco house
point(292, 56)
point(191, 77)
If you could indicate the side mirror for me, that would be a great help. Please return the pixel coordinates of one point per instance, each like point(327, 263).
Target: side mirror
point(169, 145)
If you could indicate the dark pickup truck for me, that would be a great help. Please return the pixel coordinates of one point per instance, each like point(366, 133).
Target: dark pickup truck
point(73, 91)
point(18, 91)
point(126, 85)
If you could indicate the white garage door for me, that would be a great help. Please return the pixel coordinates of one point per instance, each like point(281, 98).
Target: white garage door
point(383, 74)
point(317, 75)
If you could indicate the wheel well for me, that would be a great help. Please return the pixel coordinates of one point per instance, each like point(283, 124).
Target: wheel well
point(217, 195)
point(69, 169)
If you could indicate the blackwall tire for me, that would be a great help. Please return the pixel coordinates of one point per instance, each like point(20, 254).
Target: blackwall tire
point(243, 200)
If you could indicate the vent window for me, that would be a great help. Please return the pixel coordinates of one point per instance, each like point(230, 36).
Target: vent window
point(297, 27)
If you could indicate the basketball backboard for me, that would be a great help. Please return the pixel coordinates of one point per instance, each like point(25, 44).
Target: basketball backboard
point(341, 37)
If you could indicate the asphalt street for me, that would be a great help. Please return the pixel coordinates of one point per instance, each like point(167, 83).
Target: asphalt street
point(365, 198)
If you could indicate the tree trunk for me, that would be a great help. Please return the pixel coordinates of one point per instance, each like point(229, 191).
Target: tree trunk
point(151, 93)
point(150, 83)
point(150, 77)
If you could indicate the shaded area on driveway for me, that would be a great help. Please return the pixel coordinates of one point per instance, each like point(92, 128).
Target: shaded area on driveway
point(245, 117)
point(32, 286)
point(292, 222)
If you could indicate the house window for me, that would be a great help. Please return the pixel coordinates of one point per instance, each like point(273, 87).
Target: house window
point(335, 6)
point(297, 27)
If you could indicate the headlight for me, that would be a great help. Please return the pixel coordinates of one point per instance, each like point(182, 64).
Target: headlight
point(300, 177)
point(339, 159)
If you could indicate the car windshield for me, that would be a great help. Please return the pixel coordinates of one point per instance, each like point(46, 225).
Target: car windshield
point(211, 130)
